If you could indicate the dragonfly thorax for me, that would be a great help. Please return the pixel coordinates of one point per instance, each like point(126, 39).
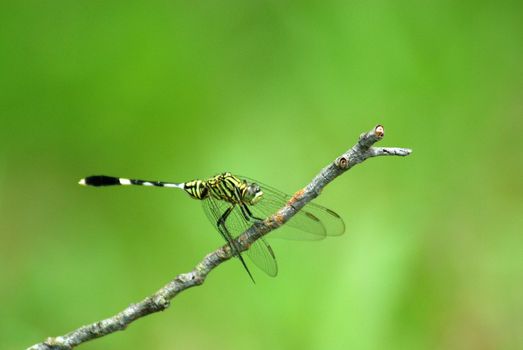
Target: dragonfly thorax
point(225, 187)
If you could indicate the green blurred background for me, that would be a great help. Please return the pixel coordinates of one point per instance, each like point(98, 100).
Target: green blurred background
point(433, 254)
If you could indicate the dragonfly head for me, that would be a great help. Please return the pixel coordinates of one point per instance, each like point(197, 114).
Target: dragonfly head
point(252, 193)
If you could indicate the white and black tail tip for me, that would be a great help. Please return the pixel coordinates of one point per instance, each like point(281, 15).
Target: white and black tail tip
point(103, 180)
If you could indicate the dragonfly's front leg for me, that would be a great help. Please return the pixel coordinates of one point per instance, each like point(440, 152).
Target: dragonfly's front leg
point(247, 214)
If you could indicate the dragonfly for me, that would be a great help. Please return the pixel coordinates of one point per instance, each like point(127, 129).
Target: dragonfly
point(234, 203)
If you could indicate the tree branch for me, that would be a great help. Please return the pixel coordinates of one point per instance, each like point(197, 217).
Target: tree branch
point(160, 300)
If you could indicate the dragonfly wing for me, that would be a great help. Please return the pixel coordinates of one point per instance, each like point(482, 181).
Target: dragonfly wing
point(260, 252)
point(261, 255)
point(214, 209)
point(333, 223)
point(302, 226)
point(312, 222)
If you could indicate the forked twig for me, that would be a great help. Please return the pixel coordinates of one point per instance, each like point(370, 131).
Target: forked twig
point(160, 300)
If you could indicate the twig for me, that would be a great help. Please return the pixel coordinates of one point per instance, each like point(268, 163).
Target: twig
point(161, 299)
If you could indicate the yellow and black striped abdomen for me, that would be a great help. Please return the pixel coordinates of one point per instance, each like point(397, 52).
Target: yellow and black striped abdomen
point(197, 189)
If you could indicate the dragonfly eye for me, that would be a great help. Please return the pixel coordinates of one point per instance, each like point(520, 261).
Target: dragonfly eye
point(253, 194)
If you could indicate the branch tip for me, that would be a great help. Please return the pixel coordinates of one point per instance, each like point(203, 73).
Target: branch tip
point(379, 131)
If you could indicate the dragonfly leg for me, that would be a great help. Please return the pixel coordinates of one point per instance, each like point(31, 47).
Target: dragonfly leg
point(247, 214)
point(226, 235)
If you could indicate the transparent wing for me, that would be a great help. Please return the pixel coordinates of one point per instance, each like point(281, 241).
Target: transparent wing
point(312, 222)
point(214, 210)
point(260, 252)
point(261, 255)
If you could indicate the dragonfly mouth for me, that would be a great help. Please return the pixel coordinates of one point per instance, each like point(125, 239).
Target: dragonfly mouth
point(253, 194)
point(257, 197)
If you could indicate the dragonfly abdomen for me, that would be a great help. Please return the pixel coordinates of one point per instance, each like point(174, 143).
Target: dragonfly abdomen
point(104, 180)
point(197, 189)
